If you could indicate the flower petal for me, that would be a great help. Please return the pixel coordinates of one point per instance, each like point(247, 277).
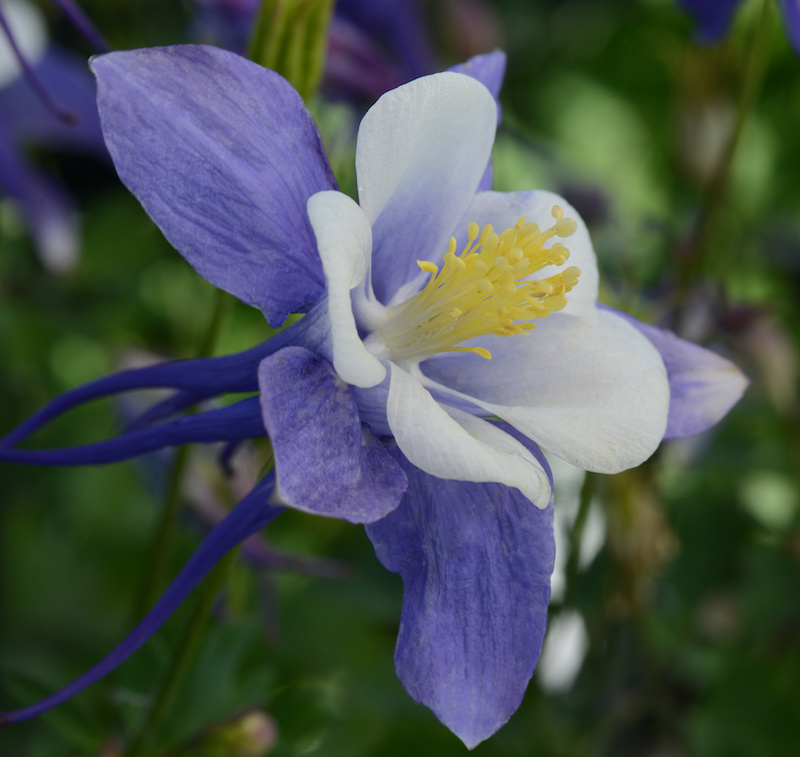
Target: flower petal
point(490, 70)
point(223, 155)
point(591, 390)
point(504, 209)
point(250, 515)
point(475, 561)
point(327, 462)
point(344, 241)
point(421, 152)
point(449, 443)
point(703, 386)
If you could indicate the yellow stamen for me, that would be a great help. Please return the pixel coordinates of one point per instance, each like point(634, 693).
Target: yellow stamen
point(484, 289)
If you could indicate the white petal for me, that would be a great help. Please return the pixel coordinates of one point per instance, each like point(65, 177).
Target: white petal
point(421, 152)
point(591, 390)
point(449, 443)
point(344, 241)
point(504, 209)
point(564, 650)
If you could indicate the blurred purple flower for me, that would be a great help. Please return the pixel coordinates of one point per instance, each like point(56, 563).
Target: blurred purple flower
point(28, 120)
point(713, 18)
point(374, 405)
point(373, 45)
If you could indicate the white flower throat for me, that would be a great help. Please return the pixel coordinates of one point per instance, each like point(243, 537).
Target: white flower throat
point(483, 290)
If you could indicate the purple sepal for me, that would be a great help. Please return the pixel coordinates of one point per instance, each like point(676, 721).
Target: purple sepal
point(475, 560)
point(241, 420)
point(703, 386)
point(489, 70)
point(223, 155)
point(250, 515)
point(327, 462)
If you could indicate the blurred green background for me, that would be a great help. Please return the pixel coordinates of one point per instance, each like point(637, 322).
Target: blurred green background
point(692, 603)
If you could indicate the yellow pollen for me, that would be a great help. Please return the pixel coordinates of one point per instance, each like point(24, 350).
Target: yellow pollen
point(484, 289)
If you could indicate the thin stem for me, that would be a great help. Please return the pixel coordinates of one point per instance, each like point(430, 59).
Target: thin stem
point(754, 68)
point(185, 651)
point(163, 538)
point(576, 537)
point(82, 23)
point(28, 72)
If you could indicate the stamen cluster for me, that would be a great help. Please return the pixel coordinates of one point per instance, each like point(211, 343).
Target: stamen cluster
point(485, 289)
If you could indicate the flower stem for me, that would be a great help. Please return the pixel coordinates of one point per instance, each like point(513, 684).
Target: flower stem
point(185, 651)
point(576, 537)
point(163, 538)
point(753, 70)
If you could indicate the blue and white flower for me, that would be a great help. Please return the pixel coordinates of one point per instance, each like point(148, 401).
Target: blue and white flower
point(449, 332)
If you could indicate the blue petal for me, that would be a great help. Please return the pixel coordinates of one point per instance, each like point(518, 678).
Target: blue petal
point(239, 421)
point(250, 515)
point(476, 561)
point(490, 70)
point(327, 461)
point(703, 386)
point(223, 155)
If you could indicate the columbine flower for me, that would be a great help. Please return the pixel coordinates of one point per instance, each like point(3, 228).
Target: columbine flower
point(26, 119)
point(413, 394)
point(714, 17)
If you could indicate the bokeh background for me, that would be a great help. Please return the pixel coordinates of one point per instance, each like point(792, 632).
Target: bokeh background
point(678, 592)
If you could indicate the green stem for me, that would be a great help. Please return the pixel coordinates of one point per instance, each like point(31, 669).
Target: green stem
point(754, 68)
point(184, 654)
point(163, 538)
point(576, 537)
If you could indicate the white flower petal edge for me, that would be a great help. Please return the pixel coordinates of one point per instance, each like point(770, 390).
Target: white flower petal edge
point(591, 390)
point(504, 209)
point(344, 241)
point(452, 444)
point(421, 152)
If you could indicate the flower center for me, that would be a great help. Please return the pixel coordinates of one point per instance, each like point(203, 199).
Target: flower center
point(485, 289)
